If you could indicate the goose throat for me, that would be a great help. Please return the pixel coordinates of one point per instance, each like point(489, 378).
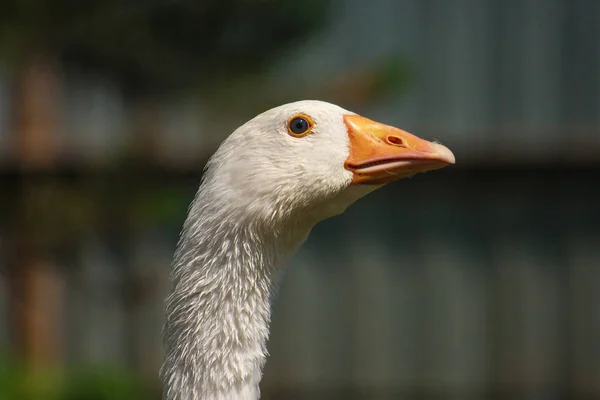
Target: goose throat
point(219, 310)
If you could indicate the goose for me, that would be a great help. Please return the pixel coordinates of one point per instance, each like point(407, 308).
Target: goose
point(262, 192)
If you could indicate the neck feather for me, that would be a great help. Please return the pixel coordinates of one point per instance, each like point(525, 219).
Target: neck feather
point(218, 312)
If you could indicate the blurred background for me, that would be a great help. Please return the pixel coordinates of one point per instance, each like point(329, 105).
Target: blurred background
point(478, 281)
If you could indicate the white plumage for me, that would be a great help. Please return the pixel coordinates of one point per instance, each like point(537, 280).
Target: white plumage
point(262, 192)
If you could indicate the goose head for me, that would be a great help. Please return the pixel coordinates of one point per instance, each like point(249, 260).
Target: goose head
point(311, 160)
point(265, 187)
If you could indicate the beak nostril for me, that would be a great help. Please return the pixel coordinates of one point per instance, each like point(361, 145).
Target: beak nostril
point(395, 141)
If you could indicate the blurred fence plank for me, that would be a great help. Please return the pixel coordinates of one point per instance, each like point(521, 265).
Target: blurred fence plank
point(584, 312)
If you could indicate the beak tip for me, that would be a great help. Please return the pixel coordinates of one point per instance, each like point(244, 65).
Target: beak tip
point(445, 153)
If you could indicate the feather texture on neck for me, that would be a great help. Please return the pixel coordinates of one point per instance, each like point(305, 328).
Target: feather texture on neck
point(218, 312)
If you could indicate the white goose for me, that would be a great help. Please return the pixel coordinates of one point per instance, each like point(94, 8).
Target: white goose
point(263, 190)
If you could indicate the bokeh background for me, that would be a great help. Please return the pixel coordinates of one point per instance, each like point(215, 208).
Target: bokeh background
point(478, 281)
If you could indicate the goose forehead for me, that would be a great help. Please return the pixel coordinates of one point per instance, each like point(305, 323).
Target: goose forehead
point(314, 108)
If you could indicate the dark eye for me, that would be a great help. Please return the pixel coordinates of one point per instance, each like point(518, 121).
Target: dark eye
point(299, 125)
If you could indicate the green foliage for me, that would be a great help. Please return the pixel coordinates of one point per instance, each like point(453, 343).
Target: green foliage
point(159, 43)
point(104, 385)
point(162, 205)
point(18, 383)
point(393, 75)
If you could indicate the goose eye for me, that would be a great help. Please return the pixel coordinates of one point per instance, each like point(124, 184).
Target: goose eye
point(299, 125)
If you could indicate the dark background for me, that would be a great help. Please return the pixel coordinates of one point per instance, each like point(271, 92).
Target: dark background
point(477, 281)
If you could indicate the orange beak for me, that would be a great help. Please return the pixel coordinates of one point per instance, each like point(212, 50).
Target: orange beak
point(380, 153)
